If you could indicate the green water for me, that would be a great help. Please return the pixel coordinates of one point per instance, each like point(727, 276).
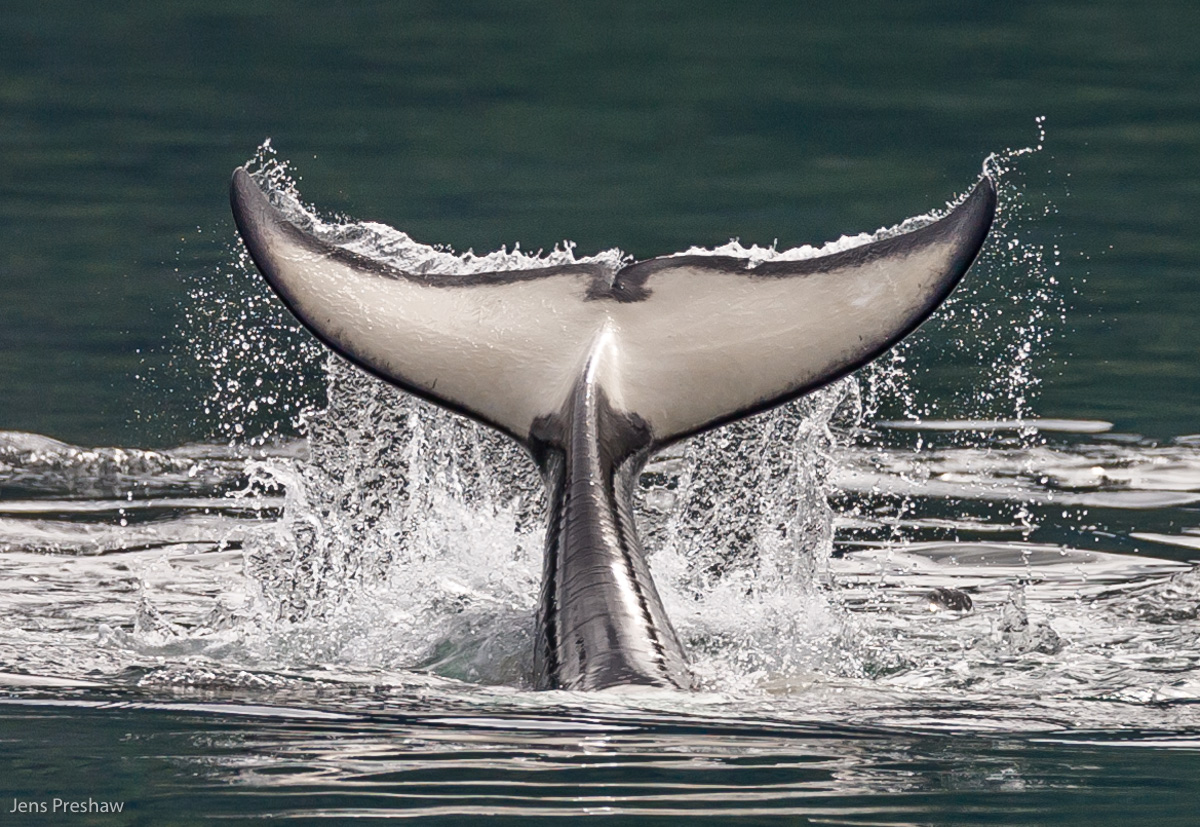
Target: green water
point(649, 127)
point(177, 766)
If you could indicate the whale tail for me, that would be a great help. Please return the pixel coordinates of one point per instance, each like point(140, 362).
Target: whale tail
point(592, 368)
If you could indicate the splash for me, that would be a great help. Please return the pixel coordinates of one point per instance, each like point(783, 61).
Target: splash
point(412, 538)
point(993, 337)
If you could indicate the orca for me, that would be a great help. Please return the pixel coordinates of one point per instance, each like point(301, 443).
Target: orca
point(592, 368)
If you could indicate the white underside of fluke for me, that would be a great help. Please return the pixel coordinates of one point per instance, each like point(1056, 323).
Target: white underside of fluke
point(694, 342)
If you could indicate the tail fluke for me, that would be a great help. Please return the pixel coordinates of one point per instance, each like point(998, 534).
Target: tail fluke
point(690, 341)
point(503, 348)
point(716, 340)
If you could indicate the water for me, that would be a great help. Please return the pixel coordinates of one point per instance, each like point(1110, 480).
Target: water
point(139, 625)
point(321, 605)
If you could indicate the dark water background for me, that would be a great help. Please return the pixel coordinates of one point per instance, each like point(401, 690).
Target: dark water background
point(651, 127)
point(647, 127)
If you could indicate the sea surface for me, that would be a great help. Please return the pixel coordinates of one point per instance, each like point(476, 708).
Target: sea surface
point(239, 580)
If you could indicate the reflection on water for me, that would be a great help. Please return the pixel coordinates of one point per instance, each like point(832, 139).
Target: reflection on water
point(558, 761)
point(390, 754)
point(163, 575)
point(130, 615)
